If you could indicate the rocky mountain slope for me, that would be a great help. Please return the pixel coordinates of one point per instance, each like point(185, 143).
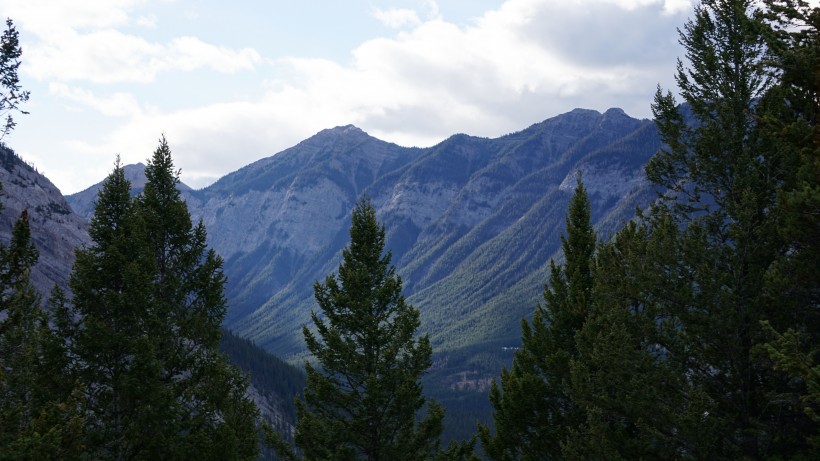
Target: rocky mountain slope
point(55, 229)
point(83, 202)
point(471, 222)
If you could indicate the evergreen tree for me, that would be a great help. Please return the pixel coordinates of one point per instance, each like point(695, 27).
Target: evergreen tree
point(219, 420)
point(624, 378)
point(724, 178)
point(534, 408)
point(364, 400)
point(11, 94)
point(789, 120)
point(35, 422)
point(142, 330)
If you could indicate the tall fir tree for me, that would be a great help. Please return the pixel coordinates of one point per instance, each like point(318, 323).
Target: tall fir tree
point(142, 330)
point(363, 401)
point(534, 412)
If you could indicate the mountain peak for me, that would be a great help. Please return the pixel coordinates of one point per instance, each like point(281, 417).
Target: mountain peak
point(346, 130)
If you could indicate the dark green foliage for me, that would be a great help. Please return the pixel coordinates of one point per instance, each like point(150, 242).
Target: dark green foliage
point(700, 333)
point(275, 378)
point(36, 423)
point(675, 360)
point(143, 327)
point(534, 411)
point(731, 173)
point(364, 400)
point(790, 113)
point(11, 94)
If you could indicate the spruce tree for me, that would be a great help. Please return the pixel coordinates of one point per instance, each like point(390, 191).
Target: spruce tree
point(36, 421)
point(789, 120)
point(142, 330)
point(363, 400)
point(625, 378)
point(109, 335)
point(187, 295)
point(724, 178)
point(534, 409)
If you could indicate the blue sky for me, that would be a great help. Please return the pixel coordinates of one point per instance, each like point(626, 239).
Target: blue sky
point(232, 82)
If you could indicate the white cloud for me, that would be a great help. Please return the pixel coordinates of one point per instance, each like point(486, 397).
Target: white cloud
point(397, 18)
point(519, 64)
point(80, 41)
point(118, 104)
point(149, 21)
point(45, 17)
point(110, 56)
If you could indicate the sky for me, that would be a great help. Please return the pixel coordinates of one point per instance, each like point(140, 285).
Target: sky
point(229, 83)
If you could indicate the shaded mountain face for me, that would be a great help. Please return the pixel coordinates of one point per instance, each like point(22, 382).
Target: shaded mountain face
point(83, 202)
point(471, 222)
point(55, 229)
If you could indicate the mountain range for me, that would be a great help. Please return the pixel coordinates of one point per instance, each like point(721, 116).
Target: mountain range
point(471, 222)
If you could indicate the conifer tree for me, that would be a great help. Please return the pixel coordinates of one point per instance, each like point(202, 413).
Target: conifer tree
point(534, 408)
point(789, 119)
point(724, 179)
point(188, 303)
point(363, 400)
point(142, 330)
point(11, 93)
point(35, 421)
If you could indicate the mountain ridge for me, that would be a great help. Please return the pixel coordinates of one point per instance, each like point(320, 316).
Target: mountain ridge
point(467, 210)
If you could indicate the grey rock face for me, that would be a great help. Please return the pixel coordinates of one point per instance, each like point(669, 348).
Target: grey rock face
point(471, 222)
point(55, 229)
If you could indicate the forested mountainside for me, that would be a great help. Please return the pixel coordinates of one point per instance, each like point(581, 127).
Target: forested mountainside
point(55, 229)
point(471, 222)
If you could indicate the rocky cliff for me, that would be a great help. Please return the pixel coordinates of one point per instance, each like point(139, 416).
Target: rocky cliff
point(55, 229)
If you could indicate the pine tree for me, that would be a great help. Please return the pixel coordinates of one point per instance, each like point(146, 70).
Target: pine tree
point(534, 408)
point(142, 330)
point(363, 401)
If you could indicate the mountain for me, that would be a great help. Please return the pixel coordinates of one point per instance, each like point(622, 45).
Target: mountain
point(273, 383)
point(83, 202)
point(472, 224)
point(55, 229)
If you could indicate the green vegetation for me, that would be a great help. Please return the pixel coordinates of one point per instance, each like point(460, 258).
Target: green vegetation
point(37, 419)
point(128, 366)
point(536, 412)
point(696, 335)
point(11, 93)
point(143, 329)
point(692, 333)
point(363, 402)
